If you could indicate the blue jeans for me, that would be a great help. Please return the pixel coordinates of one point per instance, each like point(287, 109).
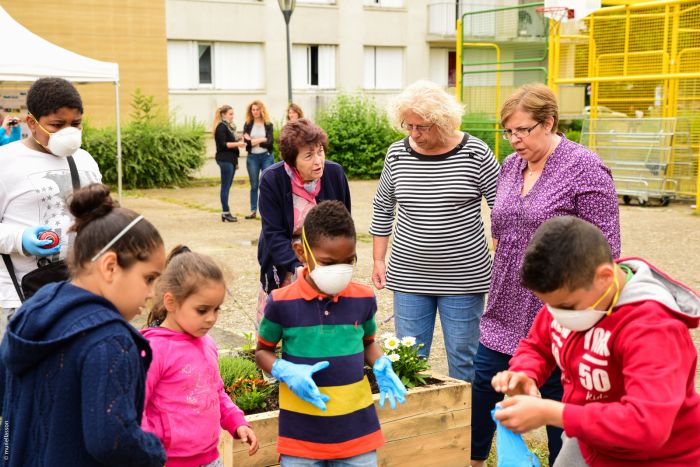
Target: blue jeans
point(228, 169)
point(368, 459)
point(414, 315)
point(256, 163)
point(489, 362)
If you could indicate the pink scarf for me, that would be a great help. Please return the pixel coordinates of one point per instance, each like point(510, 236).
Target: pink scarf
point(304, 195)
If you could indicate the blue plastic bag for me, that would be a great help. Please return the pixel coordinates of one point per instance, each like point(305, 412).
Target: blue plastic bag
point(511, 450)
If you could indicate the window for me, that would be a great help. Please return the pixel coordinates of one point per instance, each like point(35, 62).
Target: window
point(385, 3)
point(204, 64)
point(383, 68)
point(218, 65)
point(313, 66)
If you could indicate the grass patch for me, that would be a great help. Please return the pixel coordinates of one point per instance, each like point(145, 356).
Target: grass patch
point(185, 204)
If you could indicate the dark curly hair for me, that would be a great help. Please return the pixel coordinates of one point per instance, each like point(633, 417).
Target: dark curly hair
point(564, 252)
point(47, 95)
point(295, 135)
point(328, 219)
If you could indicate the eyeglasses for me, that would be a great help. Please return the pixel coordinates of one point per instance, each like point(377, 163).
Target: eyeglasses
point(419, 128)
point(518, 132)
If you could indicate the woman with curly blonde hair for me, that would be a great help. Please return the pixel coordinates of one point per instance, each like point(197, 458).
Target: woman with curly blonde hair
point(438, 176)
point(257, 132)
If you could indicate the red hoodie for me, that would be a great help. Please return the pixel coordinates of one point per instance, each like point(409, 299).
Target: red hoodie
point(629, 381)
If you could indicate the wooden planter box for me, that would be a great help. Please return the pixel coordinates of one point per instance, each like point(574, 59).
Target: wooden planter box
point(431, 429)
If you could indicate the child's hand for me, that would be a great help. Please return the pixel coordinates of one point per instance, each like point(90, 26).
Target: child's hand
point(521, 414)
point(514, 383)
point(248, 436)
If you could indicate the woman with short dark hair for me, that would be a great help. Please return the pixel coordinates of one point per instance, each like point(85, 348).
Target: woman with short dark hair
point(547, 176)
point(288, 190)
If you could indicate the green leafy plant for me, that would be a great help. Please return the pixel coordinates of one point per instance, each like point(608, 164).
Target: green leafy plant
point(233, 369)
point(247, 349)
point(250, 393)
point(407, 364)
point(156, 152)
point(359, 134)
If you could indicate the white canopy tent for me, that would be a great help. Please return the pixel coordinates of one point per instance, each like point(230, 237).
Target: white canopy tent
point(31, 57)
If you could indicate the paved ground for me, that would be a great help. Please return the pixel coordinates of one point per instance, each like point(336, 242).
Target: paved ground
point(669, 237)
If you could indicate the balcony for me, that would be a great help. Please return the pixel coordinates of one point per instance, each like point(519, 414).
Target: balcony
point(504, 25)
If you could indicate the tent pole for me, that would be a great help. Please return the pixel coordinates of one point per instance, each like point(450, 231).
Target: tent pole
point(119, 145)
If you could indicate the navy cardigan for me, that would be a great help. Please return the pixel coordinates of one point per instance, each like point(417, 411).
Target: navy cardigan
point(275, 253)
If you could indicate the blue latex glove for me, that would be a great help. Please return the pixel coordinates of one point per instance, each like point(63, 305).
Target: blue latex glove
point(389, 384)
point(511, 449)
point(33, 246)
point(299, 379)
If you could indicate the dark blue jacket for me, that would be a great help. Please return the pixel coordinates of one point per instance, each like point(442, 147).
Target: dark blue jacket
point(275, 253)
point(72, 381)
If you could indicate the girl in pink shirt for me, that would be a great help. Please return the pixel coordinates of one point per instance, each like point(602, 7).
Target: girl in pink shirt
point(186, 404)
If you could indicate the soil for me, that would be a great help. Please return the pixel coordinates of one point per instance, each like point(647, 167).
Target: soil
point(669, 237)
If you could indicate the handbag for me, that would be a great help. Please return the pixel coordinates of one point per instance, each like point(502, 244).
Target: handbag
point(47, 271)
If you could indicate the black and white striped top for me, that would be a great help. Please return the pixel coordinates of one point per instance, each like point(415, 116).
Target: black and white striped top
point(439, 246)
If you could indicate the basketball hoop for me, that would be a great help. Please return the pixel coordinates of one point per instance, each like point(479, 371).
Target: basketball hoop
point(556, 13)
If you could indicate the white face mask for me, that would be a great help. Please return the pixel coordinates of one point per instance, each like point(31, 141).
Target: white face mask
point(583, 320)
point(332, 279)
point(65, 142)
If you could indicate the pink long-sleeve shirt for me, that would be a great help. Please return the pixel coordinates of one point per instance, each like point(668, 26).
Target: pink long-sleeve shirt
point(186, 404)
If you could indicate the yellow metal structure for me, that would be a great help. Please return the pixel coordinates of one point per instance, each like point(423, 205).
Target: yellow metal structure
point(642, 61)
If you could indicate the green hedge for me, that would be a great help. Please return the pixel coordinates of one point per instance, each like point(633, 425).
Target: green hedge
point(359, 134)
point(155, 151)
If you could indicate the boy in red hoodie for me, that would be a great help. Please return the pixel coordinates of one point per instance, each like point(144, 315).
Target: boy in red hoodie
point(618, 330)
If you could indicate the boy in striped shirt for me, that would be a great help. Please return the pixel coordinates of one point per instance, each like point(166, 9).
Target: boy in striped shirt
point(326, 325)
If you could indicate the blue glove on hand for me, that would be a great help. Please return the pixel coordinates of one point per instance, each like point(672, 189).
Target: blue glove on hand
point(389, 384)
point(299, 379)
point(33, 246)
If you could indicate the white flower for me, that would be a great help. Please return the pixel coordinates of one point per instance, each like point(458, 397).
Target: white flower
point(408, 341)
point(392, 343)
point(386, 335)
point(394, 357)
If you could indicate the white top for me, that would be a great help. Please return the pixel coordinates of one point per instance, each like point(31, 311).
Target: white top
point(34, 187)
point(258, 131)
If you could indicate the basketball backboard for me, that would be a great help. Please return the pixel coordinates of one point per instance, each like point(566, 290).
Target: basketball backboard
point(580, 8)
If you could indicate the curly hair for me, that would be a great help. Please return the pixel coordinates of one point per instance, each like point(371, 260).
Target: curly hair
point(431, 103)
point(295, 135)
point(263, 112)
point(328, 219)
point(47, 95)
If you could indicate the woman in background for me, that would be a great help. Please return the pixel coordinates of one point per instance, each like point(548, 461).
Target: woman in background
point(257, 133)
point(227, 152)
point(294, 113)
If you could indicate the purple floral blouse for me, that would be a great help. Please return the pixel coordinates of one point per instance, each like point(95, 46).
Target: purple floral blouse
point(574, 182)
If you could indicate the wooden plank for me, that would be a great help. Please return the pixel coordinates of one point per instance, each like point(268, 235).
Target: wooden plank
point(441, 449)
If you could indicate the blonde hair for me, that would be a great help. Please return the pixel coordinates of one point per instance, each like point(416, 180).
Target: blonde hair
point(296, 108)
point(537, 100)
point(219, 116)
point(263, 112)
point(185, 272)
point(431, 103)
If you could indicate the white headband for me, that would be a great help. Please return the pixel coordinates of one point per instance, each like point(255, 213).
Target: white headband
point(116, 238)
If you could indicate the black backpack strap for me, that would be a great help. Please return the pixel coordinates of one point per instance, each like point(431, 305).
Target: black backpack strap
point(11, 271)
point(74, 176)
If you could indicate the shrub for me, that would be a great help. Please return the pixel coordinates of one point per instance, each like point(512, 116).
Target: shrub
point(155, 151)
point(233, 369)
point(250, 393)
point(359, 134)
point(406, 362)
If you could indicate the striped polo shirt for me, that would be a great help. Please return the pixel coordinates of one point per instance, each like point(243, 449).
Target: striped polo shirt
point(314, 327)
point(439, 245)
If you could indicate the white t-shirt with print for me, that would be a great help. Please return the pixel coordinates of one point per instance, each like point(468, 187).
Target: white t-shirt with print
point(34, 187)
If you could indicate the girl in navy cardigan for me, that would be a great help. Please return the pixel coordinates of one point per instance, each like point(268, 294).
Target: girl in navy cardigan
point(288, 190)
point(72, 369)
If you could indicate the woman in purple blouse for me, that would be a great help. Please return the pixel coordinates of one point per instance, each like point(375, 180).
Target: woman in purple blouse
point(547, 176)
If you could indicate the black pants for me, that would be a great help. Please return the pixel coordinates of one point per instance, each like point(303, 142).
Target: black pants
point(487, 363)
